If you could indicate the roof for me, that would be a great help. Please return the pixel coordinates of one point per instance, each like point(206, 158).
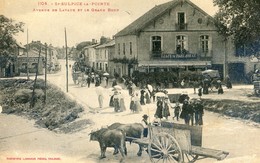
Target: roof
point(108, 44)
point(154, 13)
point(91, 46)
point(31, 53)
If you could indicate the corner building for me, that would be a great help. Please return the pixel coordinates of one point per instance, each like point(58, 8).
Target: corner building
point(175, 36)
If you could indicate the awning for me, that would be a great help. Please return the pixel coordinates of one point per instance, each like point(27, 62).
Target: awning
point(173, 63)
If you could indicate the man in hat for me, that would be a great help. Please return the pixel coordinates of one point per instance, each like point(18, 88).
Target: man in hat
point(200, 112)
point(185, 112)
point(145, 124)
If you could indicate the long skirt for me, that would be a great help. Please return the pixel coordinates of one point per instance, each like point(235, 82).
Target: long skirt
point(158, 113)
point(148, 100)
point(132, 106)
point(138, 106)
point(100, 101)
point(111, 101)
point(142, 100)
point(122, 104)
point(116, 105)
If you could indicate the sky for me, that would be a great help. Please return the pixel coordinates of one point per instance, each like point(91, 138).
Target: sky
point(90, 19)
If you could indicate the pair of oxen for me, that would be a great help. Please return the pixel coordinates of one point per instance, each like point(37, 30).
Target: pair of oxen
point(116, 135)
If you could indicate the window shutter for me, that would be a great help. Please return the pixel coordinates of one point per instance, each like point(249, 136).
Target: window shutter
point(186, 43)
point(210, 46)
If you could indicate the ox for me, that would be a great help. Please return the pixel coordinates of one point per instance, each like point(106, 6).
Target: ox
point(110, 138)
point(133, 131)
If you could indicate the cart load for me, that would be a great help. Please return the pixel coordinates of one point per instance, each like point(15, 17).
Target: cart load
point(172, 142)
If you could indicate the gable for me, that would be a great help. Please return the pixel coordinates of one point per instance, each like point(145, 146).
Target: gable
point(164, 17)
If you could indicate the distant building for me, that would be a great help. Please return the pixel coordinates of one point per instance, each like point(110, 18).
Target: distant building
point(52, 54)
point(103, 53)
point(90, 55)
point(33, 59)
point(11, 67)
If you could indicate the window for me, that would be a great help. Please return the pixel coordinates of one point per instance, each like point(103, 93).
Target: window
point(156, 43)
point(24, 66)
point(34, 65)
point(124, 48)
point(118, 49)
point(181, 20)
point(204, 43)
point(181, 44)
point(131, 50)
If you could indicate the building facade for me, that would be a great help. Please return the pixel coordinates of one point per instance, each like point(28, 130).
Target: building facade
point(90, 55)
point(103, 53)
point(175, 36)
point(51, 52)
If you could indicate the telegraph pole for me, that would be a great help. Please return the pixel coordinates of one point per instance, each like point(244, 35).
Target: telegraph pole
point(67, 89)
point(45, 75)
point(225, 58)
point(35, 80)
point(27, 57)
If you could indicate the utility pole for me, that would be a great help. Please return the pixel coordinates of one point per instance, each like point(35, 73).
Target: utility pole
point(35, 80)
point(225, 57)
point(67, 89)
point(45, 75)
point(27, 57)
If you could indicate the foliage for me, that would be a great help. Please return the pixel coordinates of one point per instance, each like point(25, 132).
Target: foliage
point(81, 45)
point(8, 29)
point(58, 110)
point(241, 20)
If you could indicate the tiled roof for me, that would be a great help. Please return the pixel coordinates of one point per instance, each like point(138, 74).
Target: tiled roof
point(31, 53)
point(155, 12)
point(91, 46)
point(110, 43)
point(142, 21)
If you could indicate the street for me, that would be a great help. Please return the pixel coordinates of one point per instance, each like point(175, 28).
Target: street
point(21, 139)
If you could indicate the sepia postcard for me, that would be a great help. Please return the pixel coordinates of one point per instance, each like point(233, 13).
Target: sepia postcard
point(126, 81)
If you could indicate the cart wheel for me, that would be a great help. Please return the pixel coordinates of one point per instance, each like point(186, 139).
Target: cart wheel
point(164, 148)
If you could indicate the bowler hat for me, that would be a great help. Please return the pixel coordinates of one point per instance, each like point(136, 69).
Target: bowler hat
point(145, 116)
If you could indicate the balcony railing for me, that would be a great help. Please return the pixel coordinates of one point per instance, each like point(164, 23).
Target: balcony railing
point(181, 26)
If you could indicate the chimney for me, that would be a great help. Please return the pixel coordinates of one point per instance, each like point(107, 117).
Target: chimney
point(93, 41)
point(103, 40)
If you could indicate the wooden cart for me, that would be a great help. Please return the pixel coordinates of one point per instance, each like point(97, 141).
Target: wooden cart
point(173, 142)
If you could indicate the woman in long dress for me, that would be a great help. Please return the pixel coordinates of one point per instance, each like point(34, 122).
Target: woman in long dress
point(142, 102)
point(132, 103)
point(137, 105)
point(166, 108)
point(116, 101)
point(147, 96)
point(122, 102)
point(159, 104)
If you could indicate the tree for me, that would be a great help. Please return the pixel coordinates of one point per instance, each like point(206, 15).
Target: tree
point(241, 20)
point(8, 29)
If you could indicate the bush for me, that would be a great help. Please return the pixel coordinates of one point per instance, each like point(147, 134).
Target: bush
point(57, 110)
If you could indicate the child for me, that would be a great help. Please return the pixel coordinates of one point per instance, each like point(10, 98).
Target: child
point(177, 109)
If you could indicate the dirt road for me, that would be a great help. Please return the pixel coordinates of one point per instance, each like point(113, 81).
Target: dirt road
point(21, 139)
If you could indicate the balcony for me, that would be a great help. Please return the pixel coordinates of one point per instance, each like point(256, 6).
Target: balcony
point(181, 26)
